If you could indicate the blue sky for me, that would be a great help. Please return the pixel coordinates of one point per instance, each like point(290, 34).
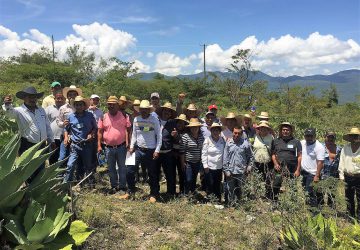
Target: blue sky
point(286, 37)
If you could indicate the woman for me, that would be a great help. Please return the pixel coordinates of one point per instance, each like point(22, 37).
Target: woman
point(212, 160)
point(190, 154)
point(262, 154)
point(181, 123)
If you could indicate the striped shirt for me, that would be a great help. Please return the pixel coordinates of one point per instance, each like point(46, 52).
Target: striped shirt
point(191, 147)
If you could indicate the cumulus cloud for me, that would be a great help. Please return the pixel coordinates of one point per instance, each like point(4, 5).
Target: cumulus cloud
point(170, 64)
point(141, 67)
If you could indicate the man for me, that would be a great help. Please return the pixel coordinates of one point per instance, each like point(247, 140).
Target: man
point(238, 161)
point(79, 133)
point(248, 129)
point(230, 121)
point(34, 126)
point(349, 171)
point(113, 132)
point(286, 154)
point(50, 99)
point(146, 143)
point(209, 120)
point(214, 109)
point(63, 119)
point(52, 113)
point(155, 103)
point(94, 109)
point(312, 162)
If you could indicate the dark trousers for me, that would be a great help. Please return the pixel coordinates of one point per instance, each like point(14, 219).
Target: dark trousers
point(145, 158)
point(55, 156)
point(307, 182)
point(166, 161)
point(180, 172)
point(233, 188)
point(352, 188)
point(213, 182)
point(267, 174)
point(25, 145)
point(191, 173)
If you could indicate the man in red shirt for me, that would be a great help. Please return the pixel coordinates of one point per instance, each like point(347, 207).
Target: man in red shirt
point(113, 132)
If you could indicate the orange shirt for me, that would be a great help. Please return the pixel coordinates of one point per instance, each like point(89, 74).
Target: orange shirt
point(114, 128)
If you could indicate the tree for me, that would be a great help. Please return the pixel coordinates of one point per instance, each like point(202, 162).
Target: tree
point(331, 96)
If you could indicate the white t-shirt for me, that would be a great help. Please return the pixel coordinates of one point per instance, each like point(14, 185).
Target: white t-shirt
point(311, 154)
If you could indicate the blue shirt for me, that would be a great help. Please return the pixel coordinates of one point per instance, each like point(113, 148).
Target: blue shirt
point(80, 127)
point(237, 156)
point(331, 168)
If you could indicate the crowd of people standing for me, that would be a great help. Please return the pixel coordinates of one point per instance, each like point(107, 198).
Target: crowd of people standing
point(181, 143)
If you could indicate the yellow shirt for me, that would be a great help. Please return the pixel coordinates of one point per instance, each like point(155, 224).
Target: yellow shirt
point(349, 161)
point(48, 101)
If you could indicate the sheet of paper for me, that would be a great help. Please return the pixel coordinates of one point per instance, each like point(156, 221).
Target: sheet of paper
point(130, 159)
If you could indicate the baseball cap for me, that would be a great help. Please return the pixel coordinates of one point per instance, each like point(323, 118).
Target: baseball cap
point(209, 113)
point(155, 94)
point(310, 131)
point(94, 96)
point(54, 84)
point(212, 106)
point(330, 133)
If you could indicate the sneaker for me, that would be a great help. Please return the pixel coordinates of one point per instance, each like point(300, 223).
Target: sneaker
point(152, 199)
point(124, 196)
point(112, 191)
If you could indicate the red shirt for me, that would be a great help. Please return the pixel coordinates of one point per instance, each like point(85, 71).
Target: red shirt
point(114, 128)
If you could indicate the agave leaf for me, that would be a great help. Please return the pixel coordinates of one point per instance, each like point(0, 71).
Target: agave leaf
point(39, 192)
point(41, 151)
point(36, 162)
point(11, 201)
point(60, 226)
point(40, 230)
point(32, 213)
point(28, 155)
point(30, 246)
point(79, 232)
point(68, 247)
point(8, 157)
point(46, 174)
point(12, 182)
point(17, 231)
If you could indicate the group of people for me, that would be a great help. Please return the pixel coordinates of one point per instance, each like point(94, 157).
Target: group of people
point(223, 150)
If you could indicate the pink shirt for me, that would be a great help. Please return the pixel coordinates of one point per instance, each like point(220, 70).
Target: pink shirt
point(114, 128)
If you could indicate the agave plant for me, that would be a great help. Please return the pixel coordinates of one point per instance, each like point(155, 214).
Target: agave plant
point(34, 216)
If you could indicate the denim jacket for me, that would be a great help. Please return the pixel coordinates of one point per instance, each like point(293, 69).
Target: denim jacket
point(237, 156)
point(331, 167)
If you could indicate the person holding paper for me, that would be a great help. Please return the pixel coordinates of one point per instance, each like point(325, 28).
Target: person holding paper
point(113, 132)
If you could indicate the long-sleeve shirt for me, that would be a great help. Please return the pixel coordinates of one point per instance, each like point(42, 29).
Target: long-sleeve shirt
point(80, 126)
point(97, 113)
point(212, 153)
point(237, 156)
point(52, 113)
point(64, 112)
point(48, 101)
point(146, 133)
point(349, 161)
point(191, 147)
point(34, 126)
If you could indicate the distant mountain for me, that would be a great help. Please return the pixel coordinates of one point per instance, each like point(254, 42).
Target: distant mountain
point(347, 82)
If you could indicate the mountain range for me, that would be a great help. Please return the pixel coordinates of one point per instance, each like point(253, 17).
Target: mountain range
point(347, 82)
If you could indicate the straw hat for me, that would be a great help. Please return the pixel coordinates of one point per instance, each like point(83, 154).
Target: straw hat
point(194, 122)
point(71, 88)
point(263, 115)
point(167, 105)
point(82, 99)
point(112, 99)
point(123, 100)
point(248, 116)
point(136, 105)
point(145, 104)
point(353, 131)
point(182, 117)
point(288, 124)
point(263, 124)
point(216, 125)
point(231, 115)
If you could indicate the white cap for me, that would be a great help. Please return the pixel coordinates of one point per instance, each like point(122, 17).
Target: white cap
point(94, 96)
point(155, 94)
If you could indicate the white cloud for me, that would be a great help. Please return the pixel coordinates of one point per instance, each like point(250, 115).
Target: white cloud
point(166, 32)
point(170, 64)
point(149, 54)
point(141, 67)
point(137, 19)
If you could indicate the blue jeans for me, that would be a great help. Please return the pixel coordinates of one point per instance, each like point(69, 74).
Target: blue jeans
point(145, 158)
point(191, 173)
point(166, 160)
point(213, 182)
point(307, 182)
point(233, 188)
point(64, 151)
point(117, 156)
point(80, 156)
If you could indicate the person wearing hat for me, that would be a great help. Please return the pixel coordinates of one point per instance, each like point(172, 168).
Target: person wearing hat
point(94, 109)
point(62, 120)
point(155, 103)
point(52, 113)
point(212, 160)
point(349, 171)
point(79, 134)
point(285, 154)
point(192, 112)
point(229, 122)
point(248, 129)
point(146, 143)
point(50, 99)
point(190, 154)
point(167, 113)
point(123, 104)
point(209, 120)
point(181, 128)
point(262, 155)
point(113, 132)
point(34, 126)
point(264, 116)
point(238, 161)
point(135, 109)
point(214, 109)
point(312, 163)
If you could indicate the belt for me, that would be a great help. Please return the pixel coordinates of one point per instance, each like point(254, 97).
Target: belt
point(145, 149)
point(116, 146)
point(165, 151)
